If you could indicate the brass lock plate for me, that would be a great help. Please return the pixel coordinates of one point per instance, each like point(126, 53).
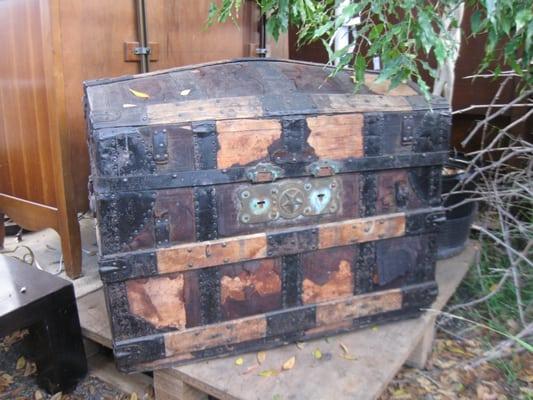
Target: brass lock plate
point(288, 199)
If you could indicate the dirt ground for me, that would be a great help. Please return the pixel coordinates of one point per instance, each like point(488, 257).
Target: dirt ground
point(445, 377)
point(17, 377)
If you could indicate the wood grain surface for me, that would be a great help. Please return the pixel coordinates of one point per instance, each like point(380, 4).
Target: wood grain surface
point(249, 247)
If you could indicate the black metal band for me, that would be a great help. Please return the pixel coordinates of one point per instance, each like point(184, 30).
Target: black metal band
point(291, 281)
point(238, 174)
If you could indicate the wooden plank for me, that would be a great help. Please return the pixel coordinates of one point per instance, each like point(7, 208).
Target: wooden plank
point(361, 230)
point(358, 306)
point(251, 107)
point(244, 141)
point(205, 109)
point(167, 387)
point(94, 319)
point(210, 253)
point(28, 214)
point(249, 247)
point(204, 337)
point(383, 87)
point(103, 367)
point(336, 137)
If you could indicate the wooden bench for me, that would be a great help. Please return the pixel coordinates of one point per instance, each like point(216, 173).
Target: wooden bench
point(379, 353)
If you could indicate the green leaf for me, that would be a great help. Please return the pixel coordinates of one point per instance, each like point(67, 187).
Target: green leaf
point(360, 66)
point(475, 22)
point(523, 17)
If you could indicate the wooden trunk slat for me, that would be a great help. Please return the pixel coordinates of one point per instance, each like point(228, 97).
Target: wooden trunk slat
point(241, 248)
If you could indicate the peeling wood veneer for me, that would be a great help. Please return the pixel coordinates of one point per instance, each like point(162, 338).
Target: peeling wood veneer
point(210, 253)
point(264, 281)
point(336, 137)
point(244, 141)
point(358, 306)
point(339, 285)
point(158, 300)
point(204, 337)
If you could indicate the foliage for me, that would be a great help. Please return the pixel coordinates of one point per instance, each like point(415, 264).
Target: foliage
point(400, 31)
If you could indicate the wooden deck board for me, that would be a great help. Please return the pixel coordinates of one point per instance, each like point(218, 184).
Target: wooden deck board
point(380, 352)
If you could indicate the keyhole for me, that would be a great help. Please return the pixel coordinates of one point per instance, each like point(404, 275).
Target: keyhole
point(261, 203)
point(320, 196)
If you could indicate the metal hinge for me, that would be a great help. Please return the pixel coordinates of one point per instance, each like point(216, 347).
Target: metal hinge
point(141, 51)
point(160, 142)
point(162, 230)
point(408, 130)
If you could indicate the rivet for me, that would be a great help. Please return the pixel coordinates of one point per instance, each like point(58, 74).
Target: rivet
point(224, 244)
point(226, 260)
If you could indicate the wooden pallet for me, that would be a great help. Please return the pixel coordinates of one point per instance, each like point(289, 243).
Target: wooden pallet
point(380, 352)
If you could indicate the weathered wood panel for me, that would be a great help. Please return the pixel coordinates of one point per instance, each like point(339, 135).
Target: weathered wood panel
point(336, 137)
point(245, 141)
point(328, 274)
point(158, 300)
point(249, 247)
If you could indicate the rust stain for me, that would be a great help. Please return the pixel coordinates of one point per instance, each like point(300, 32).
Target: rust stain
point(158, 300)
point(244, 141)
point(339, 285)
point(264, 281)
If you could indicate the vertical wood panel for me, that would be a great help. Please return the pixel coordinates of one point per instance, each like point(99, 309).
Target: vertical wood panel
point(24, 140)
point(92, 39)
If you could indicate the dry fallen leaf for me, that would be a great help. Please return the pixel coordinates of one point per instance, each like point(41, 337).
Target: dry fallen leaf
point(317, 354)
point(268, 372)
point(21, 362)
point(30, 369)
point(289, 364)
point(400, 394)
point(6, 378)
point(38, 395)
point(239, 361)
point(5, 381)
point(185, 92)
point(300, 345)
point(375, 328)
point(134, 396)
point(57, 396)
point(250, 369)
point(261, 357)
point(344, 348)
point(349, 357)
point(141, 95)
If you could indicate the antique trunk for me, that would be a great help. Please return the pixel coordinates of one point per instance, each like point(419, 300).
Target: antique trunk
point(250, 203)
